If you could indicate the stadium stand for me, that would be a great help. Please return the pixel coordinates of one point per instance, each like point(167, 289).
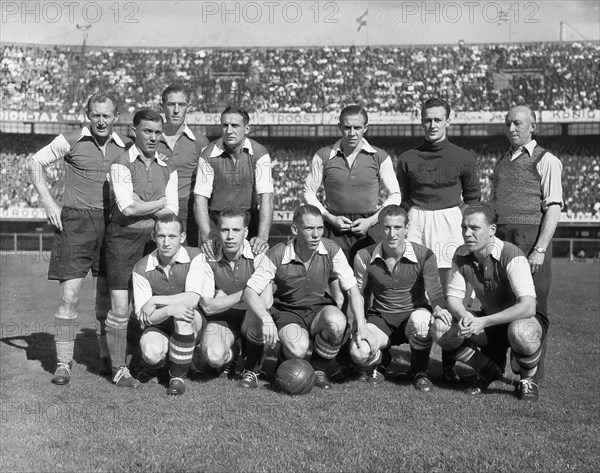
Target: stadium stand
point(579, 155)
point(384, 79)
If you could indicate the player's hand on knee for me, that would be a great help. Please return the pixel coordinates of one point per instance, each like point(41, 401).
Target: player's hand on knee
point(258, 245)
point(442, 314)
point(147, 309)
point(269, 333)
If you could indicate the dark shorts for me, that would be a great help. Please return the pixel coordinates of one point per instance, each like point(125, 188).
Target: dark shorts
point(303, 317)
point(166, 327)
point(524, 236)
point(393, 326)
point(78, 247)
point(498, 339)
point(350, 243)
point(232, 319)
point(125, 246)
point(186, 213)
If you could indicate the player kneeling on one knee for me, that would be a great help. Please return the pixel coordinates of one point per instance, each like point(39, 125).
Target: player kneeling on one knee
point(401, 276)
point(499, 273)
point(302, 311)
point(228, 317)
point(167, 286)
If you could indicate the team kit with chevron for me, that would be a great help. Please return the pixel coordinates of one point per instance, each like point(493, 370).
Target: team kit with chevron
point(176, 232)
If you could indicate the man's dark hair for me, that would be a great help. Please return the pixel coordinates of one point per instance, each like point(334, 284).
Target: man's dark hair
point(354, 110)
point(168, 219)
point(146, 114)
point(237, 110)
point(306, 209)
point(436, 102)
point(174, 89)
point(491, 217)
point(101, 97)
point(392, 210)
point(234, 212)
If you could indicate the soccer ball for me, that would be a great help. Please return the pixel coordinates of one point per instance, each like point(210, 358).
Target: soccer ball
point(295, 377)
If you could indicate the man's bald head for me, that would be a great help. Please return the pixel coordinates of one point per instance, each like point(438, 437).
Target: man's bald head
point(520, 124)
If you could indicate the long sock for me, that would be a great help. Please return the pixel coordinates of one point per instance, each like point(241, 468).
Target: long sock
point(468, 354)
point(255, 353)
point(65, 338)
point(318, 362)
point(447, 359)
point(116, 338)
point(528, 364)
point(419, 359)
point(181, 351)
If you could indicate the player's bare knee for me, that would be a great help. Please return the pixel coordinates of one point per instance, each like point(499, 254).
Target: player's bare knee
point(295, 349)
point(215, 355)
point(418, 324)
point(438, 330)
point(152, 353)
point(525, 335)
point(360, 355)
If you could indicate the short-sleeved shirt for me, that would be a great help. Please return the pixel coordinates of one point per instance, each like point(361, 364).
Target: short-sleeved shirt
point(351, 187)
point(86, 166)
point(128, 175)
point(189, 273)
point(300, 285)
point(505, 278)
point(229, 183)
point(414, 277)
point(185, 156)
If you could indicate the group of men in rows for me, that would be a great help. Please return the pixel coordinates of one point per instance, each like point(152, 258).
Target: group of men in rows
point(355, 279)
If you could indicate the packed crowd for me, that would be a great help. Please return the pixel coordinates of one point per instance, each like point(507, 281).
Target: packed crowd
point(581, 172)
point(384, 79)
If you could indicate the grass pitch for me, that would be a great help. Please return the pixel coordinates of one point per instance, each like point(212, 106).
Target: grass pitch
point(91, 425)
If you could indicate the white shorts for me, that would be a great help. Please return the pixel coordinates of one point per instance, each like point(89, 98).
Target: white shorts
point(438, 230)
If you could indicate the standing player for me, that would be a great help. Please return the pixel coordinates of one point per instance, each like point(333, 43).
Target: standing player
point(234, 171)
point(145, 188)
point(528, 198)
point(303, 312)
point(499, 273)
point(401, 276)
point(167, 286)
point(352, 172)
point(435, 179)
point(80, 224)
point(181, 148)
point(228, 317)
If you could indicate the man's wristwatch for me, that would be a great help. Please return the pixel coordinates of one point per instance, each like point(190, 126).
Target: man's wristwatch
point(539, 249)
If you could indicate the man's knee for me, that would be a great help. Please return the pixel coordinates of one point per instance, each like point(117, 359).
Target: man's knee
point(525, 335)
point(153, 351)
point(215, 354)
point(294, 343)
point(333, 323)
point(446, 336)
point(418, 325)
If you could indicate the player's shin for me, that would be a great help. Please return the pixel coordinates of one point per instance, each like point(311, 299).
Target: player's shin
point(256, 351)
point(486, 369)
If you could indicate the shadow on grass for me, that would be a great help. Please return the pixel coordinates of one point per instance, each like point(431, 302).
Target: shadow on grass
point(40, 346)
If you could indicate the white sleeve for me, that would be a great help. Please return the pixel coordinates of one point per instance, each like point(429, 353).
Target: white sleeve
point(171, 193)
point(120, 178)
point(200, 278)
point(313, 183)
point(360, 270)
point(142, 292)
point(263, 177)
point(457, 286)
point(390, 182)
point(343, 271)
point(54, 151)
point(204, 179)
point(519, 276)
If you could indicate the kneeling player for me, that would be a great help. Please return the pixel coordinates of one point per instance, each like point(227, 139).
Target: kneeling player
point(500, 275)
point(167, 286)
point(400, 276)
point(302, 310)
point(228, 319)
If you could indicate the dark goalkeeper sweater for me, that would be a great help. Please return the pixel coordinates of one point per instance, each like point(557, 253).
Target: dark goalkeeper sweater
point(438, 176)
